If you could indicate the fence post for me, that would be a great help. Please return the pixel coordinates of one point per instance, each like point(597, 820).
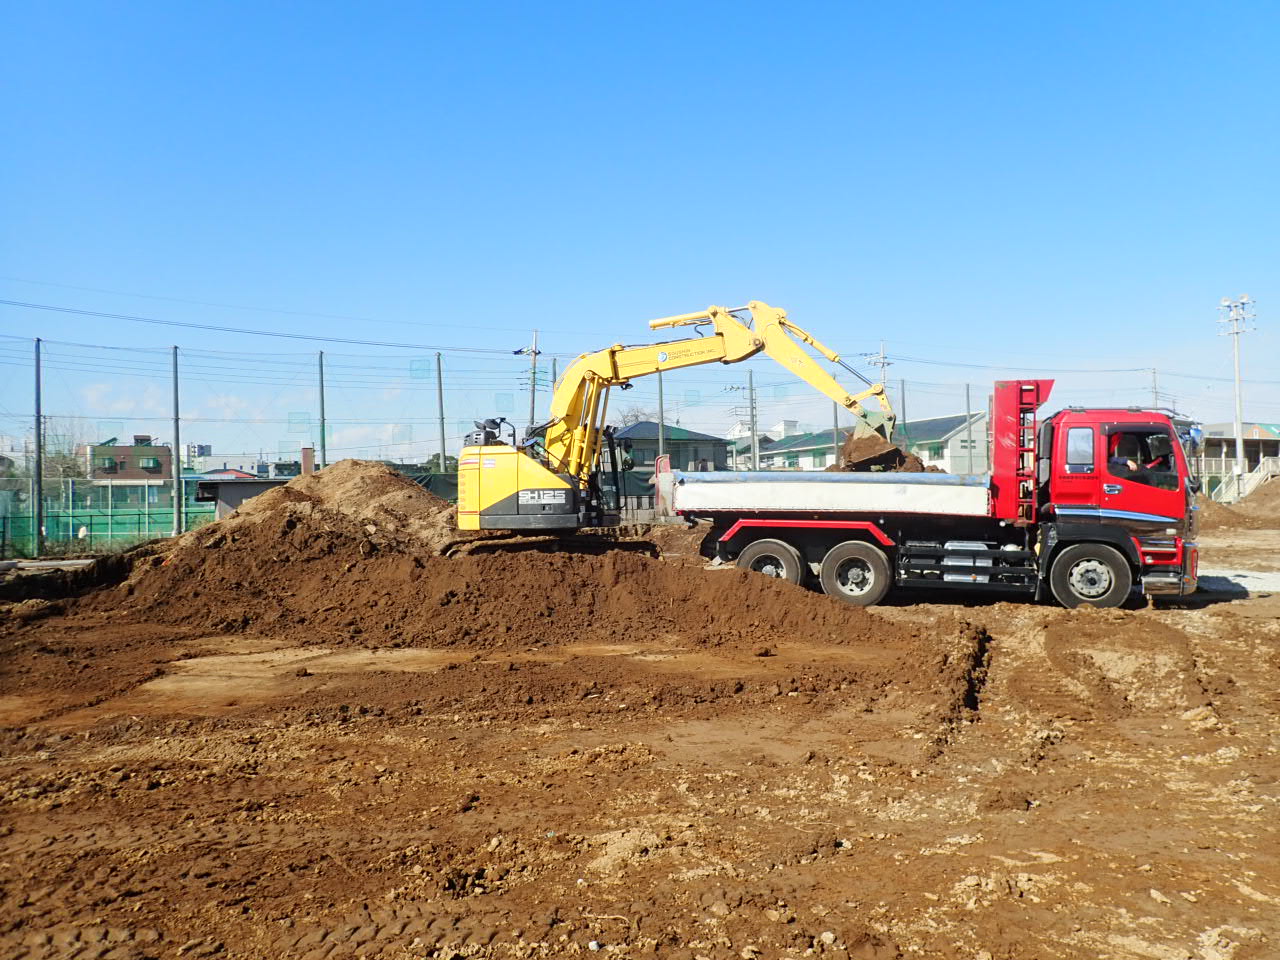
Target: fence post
point(38, 477)
point(176, 459)
point(440, 406)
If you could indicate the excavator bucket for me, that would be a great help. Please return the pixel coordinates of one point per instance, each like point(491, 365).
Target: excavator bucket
point(869, 447)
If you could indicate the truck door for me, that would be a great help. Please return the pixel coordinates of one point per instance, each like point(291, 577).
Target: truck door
point(1142, 483)
point(1076, 467)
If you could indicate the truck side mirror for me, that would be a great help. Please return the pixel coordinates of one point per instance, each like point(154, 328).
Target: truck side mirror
point(627, 444)
point(1193, 484)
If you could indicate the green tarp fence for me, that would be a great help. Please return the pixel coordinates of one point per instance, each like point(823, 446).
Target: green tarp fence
point(70, 527)
point(443, 485)
point(91, 530)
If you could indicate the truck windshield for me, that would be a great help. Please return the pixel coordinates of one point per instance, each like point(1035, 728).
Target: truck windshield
point(1142, 455)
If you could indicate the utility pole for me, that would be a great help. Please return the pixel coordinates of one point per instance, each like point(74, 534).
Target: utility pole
point(440, 407)
point(755, 432)
point(1236, 314)
point(324, 456)
point(835, 432)
point(1155, 392)
point(39, 470)
point(176, 459)
point(533, 380)
point(902, 410)
point(968, 430)
point(662, 418)
point(554, 375)
point(882, 363)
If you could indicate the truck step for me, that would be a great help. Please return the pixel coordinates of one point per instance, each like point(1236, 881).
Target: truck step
point(912, 549)
point(966, 584)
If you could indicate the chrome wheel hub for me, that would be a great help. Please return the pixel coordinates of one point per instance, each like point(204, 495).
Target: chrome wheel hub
point(769, 566)
point(1090, 579)
point(855, 577)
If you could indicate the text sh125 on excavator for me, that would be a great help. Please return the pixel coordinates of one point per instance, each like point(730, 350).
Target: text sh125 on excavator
point(551, 480)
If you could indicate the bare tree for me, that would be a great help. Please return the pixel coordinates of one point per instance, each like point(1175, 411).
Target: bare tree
point(65, 440)
point(634, 414)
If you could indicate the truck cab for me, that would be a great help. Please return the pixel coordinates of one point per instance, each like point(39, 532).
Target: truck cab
point(1120, 477)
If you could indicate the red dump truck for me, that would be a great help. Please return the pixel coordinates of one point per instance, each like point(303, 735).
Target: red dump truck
point(1085, 506)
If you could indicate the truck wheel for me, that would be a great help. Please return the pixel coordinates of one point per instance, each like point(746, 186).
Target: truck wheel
point(773, 558)
point(856, 573)
point(1090, 574)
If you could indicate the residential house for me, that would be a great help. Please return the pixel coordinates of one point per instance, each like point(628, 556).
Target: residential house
point(1261, 440)
point(739, 436)
point(130, 474)
point(801, 451)
point(942, 442)
point(740, 451)
point(953, 444)
point(255, 466)
point(1217, 462)
point(688, 449)
point(229, 474)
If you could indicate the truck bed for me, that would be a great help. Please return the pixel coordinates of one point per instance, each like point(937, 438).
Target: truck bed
point(808, 492)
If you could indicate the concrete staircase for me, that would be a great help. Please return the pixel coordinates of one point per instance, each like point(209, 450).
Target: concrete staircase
point(1236, 487)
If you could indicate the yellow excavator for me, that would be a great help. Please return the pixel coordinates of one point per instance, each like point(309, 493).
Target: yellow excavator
point(551, 480)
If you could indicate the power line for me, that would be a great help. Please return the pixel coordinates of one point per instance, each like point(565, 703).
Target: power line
point(316, 338)
point(234, 306)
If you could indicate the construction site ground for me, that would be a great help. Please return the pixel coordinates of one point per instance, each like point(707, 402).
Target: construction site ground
point(301, 736)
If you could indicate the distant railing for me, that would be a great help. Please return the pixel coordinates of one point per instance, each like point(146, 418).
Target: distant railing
point(1236, 486)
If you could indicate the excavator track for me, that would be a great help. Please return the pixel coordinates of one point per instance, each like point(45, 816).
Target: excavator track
point(584, 543)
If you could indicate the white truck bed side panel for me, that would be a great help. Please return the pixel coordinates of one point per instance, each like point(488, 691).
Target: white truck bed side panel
point(830, 493)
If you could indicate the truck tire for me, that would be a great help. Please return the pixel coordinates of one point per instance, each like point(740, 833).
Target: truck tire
point(1091, 574)
point(773, 558)
point(856, 573)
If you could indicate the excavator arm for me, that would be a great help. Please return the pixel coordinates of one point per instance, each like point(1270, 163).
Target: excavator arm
point(579, 405)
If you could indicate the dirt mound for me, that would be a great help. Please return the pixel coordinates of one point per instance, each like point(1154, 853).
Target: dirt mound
point(680, 541)
point(350, 556)
point(867, 453)
point(336, 586)
point(1248, 514)
point(1218, 516)
point(365, 492)
point(1258, 511)
point(1263, 504)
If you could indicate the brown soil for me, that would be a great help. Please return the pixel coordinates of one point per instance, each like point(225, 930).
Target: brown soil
point(1258, 511)
point(681, 542)
point(871, 453)
point(288, 735)
point(1264, 503)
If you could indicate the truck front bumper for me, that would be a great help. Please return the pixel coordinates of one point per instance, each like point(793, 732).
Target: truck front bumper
point(1176, 582)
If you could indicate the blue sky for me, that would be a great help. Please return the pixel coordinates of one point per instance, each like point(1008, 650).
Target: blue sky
point(1011, 186)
